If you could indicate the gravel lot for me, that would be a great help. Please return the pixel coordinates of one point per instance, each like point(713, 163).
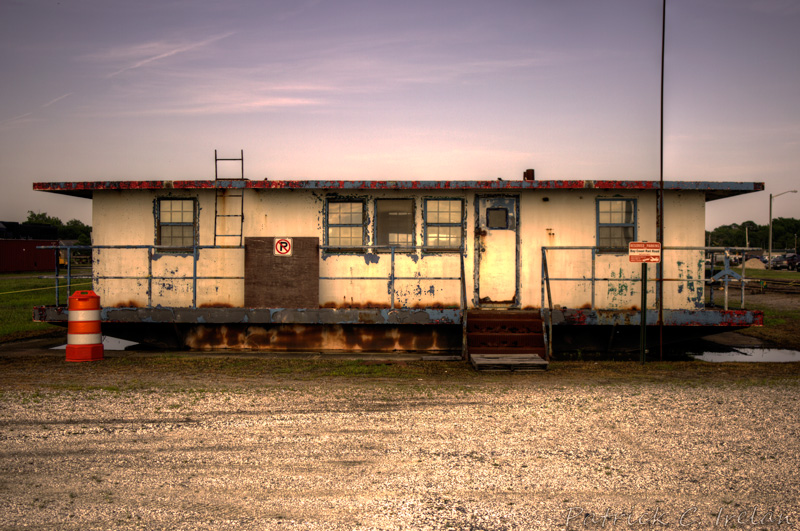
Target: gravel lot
point(532, 451)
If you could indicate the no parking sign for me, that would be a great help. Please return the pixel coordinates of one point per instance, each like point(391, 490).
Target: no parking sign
point(282, 247)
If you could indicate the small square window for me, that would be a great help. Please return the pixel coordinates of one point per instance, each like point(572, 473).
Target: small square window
point(497, 218)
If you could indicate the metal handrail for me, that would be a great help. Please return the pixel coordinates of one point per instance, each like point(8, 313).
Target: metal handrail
point(546, 282)
point(195, 251)
point(725, 275)
point(151, 249)
point(403, 249)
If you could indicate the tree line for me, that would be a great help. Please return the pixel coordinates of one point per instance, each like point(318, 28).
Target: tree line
point(784, 234)
point(71, 230)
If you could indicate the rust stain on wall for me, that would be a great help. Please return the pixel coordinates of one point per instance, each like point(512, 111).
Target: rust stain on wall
point(348, 338)
point(369, 305)
point(130, 304)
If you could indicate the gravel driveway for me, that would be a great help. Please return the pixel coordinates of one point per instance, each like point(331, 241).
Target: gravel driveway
point(494, 453)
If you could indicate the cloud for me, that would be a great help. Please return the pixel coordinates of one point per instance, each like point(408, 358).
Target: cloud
point(51, 102)
point(29, 116)
point(217, 91)
point(16, 120)
point(235, 105)
point(141, 55)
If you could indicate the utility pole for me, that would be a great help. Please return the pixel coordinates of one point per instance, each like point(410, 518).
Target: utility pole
point(660, 196)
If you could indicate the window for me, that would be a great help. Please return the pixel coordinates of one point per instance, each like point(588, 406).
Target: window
point(443, 223)
point(345, 223)
point(176, 225)
point(616, 224)
point(497, 218)
point(394, 222)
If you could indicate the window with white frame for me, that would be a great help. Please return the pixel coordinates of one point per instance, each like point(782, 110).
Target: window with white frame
point(616, 224)
point(443, 223)
point(394, 222)
point(345, 223)
point(176, 224)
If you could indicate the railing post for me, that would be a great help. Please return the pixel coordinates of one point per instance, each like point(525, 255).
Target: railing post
point(194, 277)
point(463, 282)
point(742, 282)
point(546, 279)
point(56, 277)
point(150, 277)
point(69, 270)
point(391, 282)
point(643, 324)
point(710, 279)
point(544, 259)
point(594, 275)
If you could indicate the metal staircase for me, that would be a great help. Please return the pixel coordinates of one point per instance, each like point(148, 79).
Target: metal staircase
point(506, 340)
point(229, 206)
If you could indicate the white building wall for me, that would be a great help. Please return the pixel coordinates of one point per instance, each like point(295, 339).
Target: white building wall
point(547, 218)
point(568, 219)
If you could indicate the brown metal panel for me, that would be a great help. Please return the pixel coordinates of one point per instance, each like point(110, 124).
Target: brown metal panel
point(272, 281)
point(22, 255)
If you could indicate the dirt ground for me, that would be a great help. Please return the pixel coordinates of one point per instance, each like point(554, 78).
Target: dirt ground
point(160, 440)
point(782, 317)
point(165, 441)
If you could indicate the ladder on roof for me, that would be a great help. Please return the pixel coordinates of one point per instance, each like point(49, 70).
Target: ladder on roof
point(229, 205)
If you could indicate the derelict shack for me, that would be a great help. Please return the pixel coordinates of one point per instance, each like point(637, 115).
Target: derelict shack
point(391, 265)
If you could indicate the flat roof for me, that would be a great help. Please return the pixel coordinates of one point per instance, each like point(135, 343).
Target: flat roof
point(713, 190)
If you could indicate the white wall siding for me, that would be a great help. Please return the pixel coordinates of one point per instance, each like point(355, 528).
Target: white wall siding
point(546, 218)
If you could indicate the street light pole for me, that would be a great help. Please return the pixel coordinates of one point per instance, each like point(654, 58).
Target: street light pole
point(771, 197)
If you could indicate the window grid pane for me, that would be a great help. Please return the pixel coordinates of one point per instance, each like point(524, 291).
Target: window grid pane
point(443, 218)
point(616, 223)
point(345, 223)
point(176, 223)
point(344, 236)
point(444, 237)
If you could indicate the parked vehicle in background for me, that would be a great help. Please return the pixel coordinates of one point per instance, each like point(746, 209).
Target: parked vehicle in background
point(792, 260)
point(779, 262)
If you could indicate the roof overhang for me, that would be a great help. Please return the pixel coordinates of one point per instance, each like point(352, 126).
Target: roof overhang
point(712, 190)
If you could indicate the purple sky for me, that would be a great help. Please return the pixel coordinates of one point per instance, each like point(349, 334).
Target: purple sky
point(412, 90)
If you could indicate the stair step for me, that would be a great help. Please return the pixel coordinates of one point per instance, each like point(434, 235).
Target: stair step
point(505, 328)
point(504, 313)
point(506, 351)
point(511, 340)
point(508, 363)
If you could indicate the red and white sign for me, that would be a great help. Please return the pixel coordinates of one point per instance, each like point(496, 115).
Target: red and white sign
point(649, 252)
point(282, 247)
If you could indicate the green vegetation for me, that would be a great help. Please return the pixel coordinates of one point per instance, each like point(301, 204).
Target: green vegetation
point(19, 293)
point(767, 274)
point(781, 326)
point(71, 230)
point(193, 376)
point(784, 234)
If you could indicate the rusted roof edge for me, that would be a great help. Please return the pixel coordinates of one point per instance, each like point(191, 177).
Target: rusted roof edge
point(713, 190)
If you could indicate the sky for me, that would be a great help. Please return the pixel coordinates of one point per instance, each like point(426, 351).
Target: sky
point(390, 90)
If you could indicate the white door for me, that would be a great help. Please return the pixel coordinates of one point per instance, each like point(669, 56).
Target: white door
point(497, 252)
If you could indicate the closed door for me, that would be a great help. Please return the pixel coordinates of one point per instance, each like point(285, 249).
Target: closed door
point(497, 256)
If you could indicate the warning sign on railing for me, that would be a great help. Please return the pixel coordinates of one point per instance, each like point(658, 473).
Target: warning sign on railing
point(649, 252)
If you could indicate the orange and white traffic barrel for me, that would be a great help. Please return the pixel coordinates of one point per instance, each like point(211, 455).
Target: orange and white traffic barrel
point(84, 340)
